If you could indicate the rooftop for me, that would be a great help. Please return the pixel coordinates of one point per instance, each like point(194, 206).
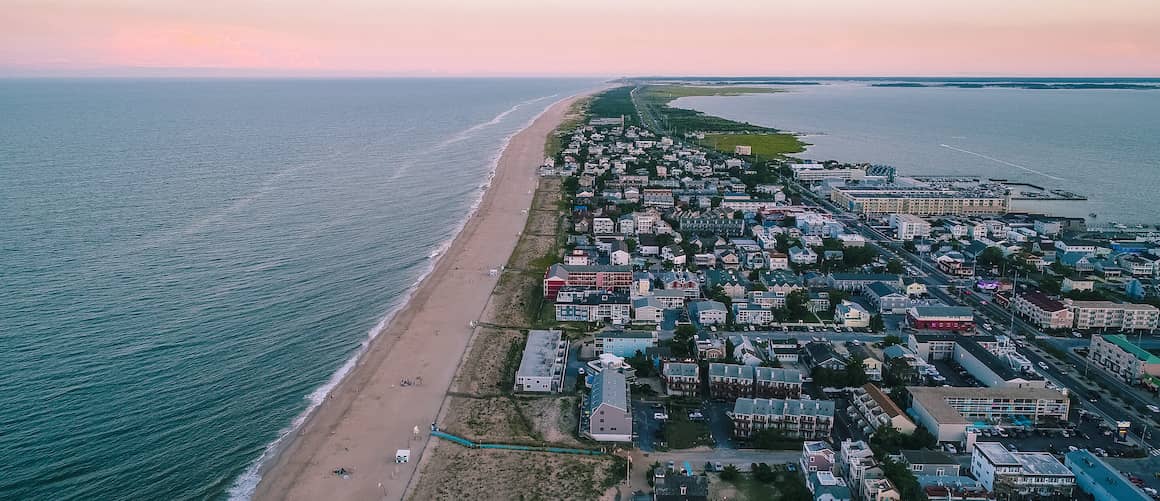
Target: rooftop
point(1042, 301)
point(944, 312)
point(539, 354)
point(731, 370)
point(681, 369)
point(609, 387)
point(1136, 351)
point(934, 399)
point(778, 375)
point(926, 456)
point(787, 407)
point(1085, 464)
point(883, 400)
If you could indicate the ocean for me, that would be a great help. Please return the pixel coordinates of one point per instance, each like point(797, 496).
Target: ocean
point(188, 266)
point(1102, 143)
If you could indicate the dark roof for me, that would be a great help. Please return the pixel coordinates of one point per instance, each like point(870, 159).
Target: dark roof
point(925, 456)
point(820, 352)
point(1042, 301)
point(669, 487)
point(880, 289)
point(991, 360)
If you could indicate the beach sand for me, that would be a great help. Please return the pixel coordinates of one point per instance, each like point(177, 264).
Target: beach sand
point(369, 415)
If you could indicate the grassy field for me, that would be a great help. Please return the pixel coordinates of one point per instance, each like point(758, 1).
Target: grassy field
point(765, 146)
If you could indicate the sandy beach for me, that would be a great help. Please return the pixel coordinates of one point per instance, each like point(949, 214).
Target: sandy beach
point(370, 415)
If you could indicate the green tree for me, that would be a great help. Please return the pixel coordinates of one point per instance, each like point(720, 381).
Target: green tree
point(876, 323)
point(894, 266)
point(730, 473)
point(795, 303)
point(682, 343)
point(891, 339)
point(738, 214)
point(856, 372)
point(991, 256)
point(836, 297)
point(664, 239)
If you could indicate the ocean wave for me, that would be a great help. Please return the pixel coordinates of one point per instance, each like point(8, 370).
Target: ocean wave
point(243, 488)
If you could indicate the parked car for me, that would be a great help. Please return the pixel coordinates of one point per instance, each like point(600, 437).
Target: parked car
point(660, 416)
point(1153, 408)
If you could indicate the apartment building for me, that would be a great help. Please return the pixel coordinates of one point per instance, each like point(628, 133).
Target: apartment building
point(682, 379)
point(1109, 315)
point(804, 419)
point(1043, 311)
point(558, 276)
point(770, 382)
point(1119, 357)
point(730, 381)
point(918, 201)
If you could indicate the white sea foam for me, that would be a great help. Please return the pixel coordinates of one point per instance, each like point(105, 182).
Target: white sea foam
point(247, 482)
point(1004, 162)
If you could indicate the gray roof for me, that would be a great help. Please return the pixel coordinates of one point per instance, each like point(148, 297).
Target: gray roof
point(1083, 462)
point(731, 370)
point(611, 388)
point(646, 301)
point(696, 487)
point(699, 306)
point(786, 407)
point(779, 375)
point(539, 354)
point(681, 369)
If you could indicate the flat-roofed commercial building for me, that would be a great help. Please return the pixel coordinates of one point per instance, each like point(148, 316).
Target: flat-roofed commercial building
point(805, 419)
point(542, 366)
point(1109, 315)
point(1121, 358)
point(947, 411)
point(919, 201)
point(1019, 475)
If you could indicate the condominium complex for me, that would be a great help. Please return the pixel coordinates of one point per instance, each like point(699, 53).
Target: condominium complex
point(1119, 357)
point(880, 201)
point(805, 419)
point(948, 411)
point(1109, 315)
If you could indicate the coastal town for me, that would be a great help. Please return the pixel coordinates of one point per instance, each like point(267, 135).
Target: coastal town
point(739, 327)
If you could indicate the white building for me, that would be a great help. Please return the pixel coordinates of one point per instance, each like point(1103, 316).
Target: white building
point(1020, 473)
point(909, 226)
point(542, 366)
point(1109, 315)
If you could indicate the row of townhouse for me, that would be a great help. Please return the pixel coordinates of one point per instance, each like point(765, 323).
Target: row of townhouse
point(732, 381)
point(792, 418)
point(578, 304)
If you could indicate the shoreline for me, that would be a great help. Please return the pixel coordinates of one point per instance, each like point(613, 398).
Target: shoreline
point(367, 415)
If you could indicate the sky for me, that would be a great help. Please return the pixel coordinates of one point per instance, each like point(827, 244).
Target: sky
point(604, 38)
